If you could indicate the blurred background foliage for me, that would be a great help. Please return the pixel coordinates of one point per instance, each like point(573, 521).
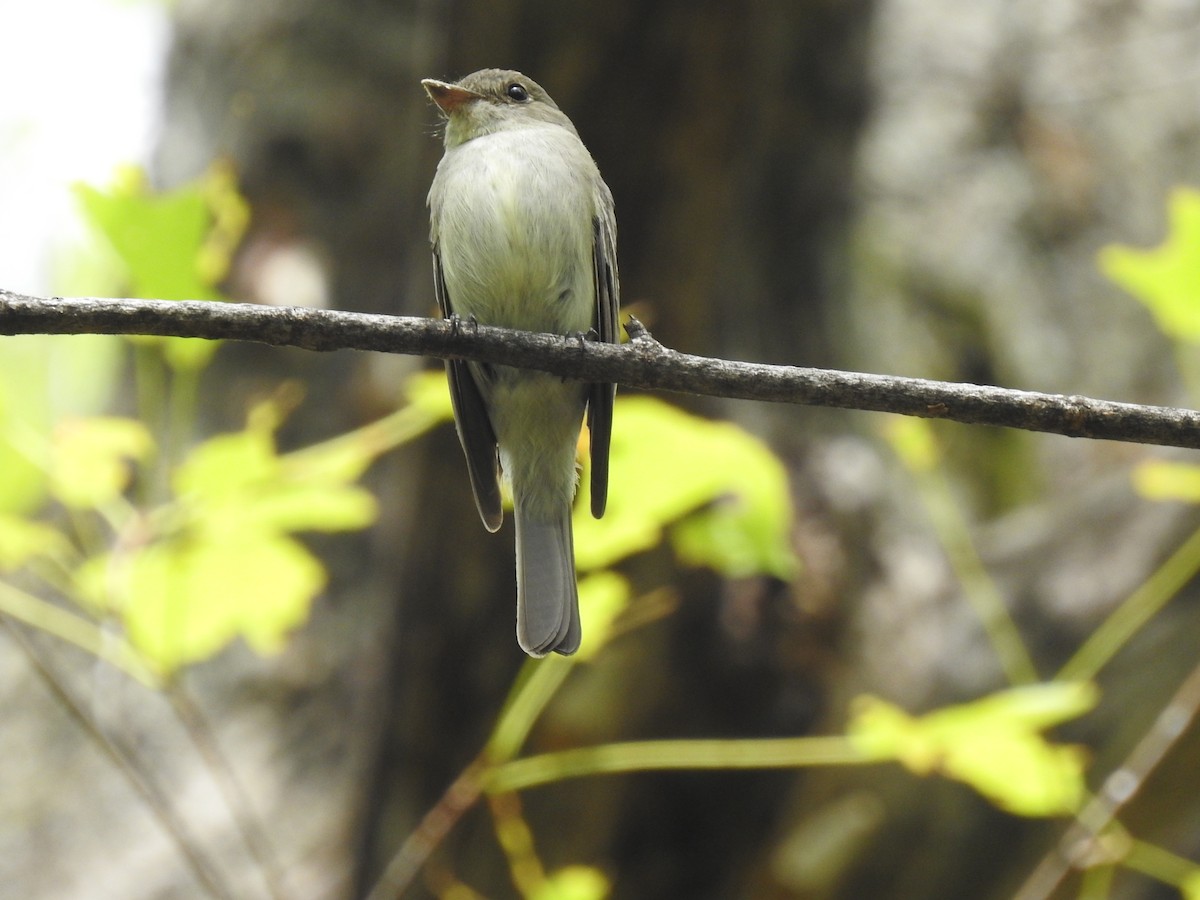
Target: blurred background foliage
point(256, 643)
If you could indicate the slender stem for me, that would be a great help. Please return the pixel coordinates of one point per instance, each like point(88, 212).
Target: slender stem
point(373, 439)
point(1160, 864)
point(240, 809)
point(640, 756)
point(1134, 612)
point(74, 629)
point(460, 796)
point(152, 795)
point(1120, 787)
point(953, 532)
point(181, 414)
point(534, 688)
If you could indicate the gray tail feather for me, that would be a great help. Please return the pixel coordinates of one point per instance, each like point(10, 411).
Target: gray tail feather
point(547, 600)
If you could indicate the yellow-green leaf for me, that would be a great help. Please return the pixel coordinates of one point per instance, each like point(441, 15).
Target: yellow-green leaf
point(24, 539)
point(429, 392)
point(1190, 888)
point(158, 236)
point(236, 482)
point(184, 600)
point(667, 464)
point(573, 883)
point(347, 456)
point(172, 245)
point(90, 459)
point(226, 464)
point(22, 481)
point(281, 506)
point(913, 441)
point(602, 597)
point(229, 213)
point(1162, 480)
point(993, 744)
point(1165, 279)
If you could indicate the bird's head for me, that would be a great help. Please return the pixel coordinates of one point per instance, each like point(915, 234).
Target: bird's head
point(492, 100)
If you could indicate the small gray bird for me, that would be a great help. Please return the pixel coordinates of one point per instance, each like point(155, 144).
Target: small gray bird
point(524, 236)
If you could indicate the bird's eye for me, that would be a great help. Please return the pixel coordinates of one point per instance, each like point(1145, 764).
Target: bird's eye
point(517, 92)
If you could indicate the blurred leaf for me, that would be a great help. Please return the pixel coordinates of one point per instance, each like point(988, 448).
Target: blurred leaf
point(90, 459)
point(1191, 887)
point(913, 441)
point(23, 539)
point(1160, 480)
point(223, 563)
point(22, 481)
point(183, 600)
point(573, 883)
point(225, 465)
point(1166, 280)
point(230, 216)
point(174, 245)
point(42, 378)
point(667, 464)
point(993, 744)
point(348, 455)
point(157, 236)
point(292, 506)
point(602, 597)
point(237, 482)
point(183, 353)
point(429, 392)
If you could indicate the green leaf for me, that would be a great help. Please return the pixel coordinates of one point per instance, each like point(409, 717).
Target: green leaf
point(90, 459)
point(668, 464)
point(236, 482)
point(184, 353)
point(993, 744)
point(602, 597)
point(221, 563)
point(157, 236)
point(173, 245)
point(42, 379)
point(225, 465)
point(22, 481)
point(1161, 480)
point(1166, 279)
point(1190, 888)
point(912, 440)
point(23, 539)
point(184, 600)
point(428, 391)
point(303, 507)
point(573, 883)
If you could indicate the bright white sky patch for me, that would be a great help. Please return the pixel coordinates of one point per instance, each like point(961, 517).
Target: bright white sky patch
point(82, 93)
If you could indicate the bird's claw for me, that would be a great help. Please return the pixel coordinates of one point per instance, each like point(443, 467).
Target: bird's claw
point(456, 323)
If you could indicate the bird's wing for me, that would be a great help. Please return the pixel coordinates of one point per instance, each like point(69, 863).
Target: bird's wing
point(471, 420)
point(608, 303)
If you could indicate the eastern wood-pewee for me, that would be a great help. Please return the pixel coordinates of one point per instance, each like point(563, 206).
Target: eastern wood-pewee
point(524, 236)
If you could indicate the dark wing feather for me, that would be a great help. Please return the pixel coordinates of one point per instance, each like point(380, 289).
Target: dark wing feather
point(608, 303)
point(472, 422)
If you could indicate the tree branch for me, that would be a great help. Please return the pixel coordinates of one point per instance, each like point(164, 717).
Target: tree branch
point(643, 363)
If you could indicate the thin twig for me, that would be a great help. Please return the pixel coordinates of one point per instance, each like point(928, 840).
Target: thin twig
point(248, 824)
point(157, 802)
point(643, 363)
point(1074, 847)
point(462, 794)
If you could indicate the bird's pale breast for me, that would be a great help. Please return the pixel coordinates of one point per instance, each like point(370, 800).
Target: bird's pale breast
point(514, 229)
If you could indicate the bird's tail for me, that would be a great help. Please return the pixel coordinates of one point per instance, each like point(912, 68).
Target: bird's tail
point(547, 600)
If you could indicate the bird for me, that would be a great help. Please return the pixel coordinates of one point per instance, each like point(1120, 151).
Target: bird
point(523, 233)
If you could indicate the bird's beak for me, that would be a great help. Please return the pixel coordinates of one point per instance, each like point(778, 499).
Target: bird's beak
point(448, 97)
